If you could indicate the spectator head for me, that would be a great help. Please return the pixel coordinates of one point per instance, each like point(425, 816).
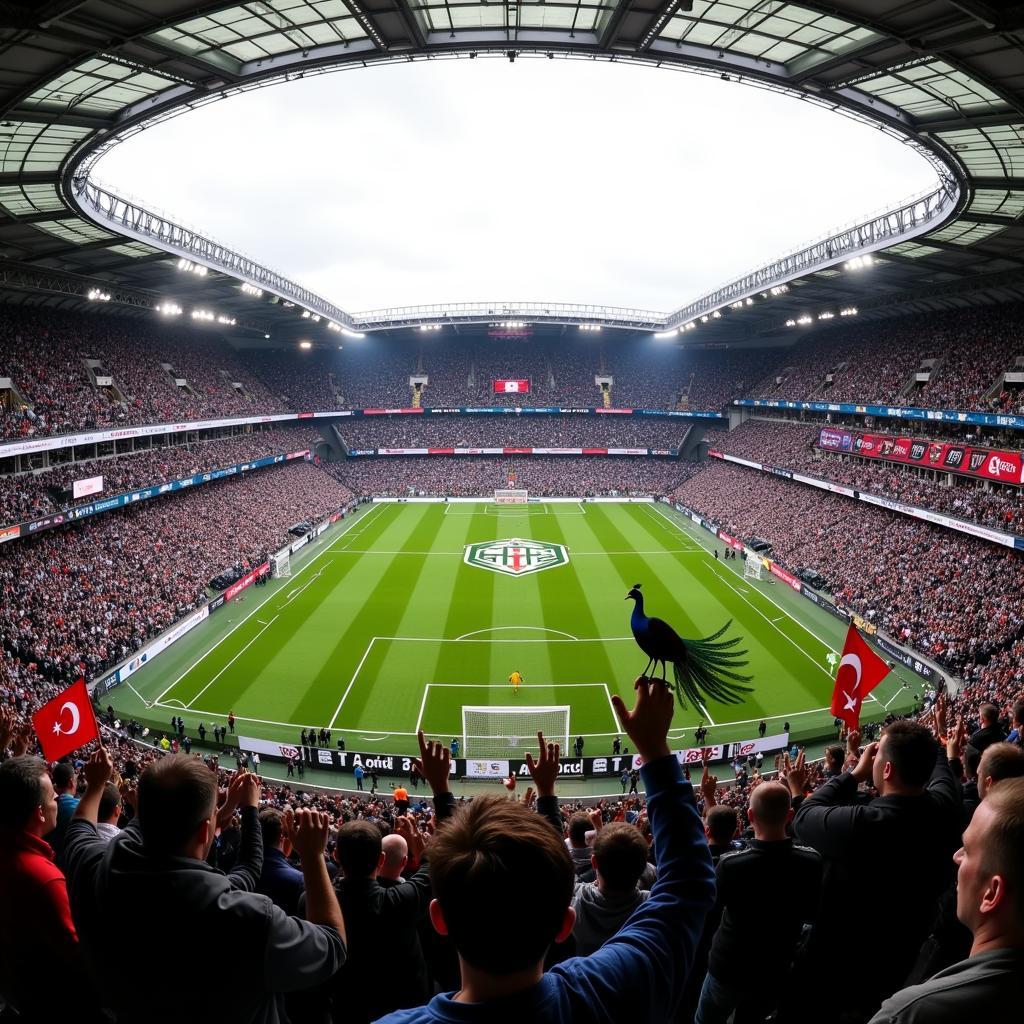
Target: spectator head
point(989, 714)
point(358, 849)
point(396, 856)
point(27, 798)
point(64, 780)
point(110, 804)
point(498, 861)
point(721, 825)
point(835, 756)
point(1000, 761)
point(619, 858)
point(579, 826)
point(905, 758)
point(771, 810)
point(178, 807)
point(272, 828)
point(990, 875)
point(1018, 713)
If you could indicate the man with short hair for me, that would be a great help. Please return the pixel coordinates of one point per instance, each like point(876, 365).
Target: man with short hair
point(37, 934)
point(279, 878)
point(990, 902)
point(619, 859)
point(721, 826)
point(894, 851)
point(580, 826)
point(158, 864)
point(772, 880)
point(1000, 761)
point(989, 730)
point(503, 882)
point(65, 785)
point(109, 812)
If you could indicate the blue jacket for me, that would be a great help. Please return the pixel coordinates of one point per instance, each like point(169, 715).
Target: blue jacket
point(638, 974)
point(281, 881)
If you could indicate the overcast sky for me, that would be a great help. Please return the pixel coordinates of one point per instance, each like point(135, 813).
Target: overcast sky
point(546, 180)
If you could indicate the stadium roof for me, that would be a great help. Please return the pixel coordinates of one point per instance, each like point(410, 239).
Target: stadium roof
point(76, 76)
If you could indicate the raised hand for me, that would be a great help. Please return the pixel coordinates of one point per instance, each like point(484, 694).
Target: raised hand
point(434, 763)
point(708, 784)
point(98, 769)
point(648, 723)
point(795, 773)
point(863, 771)
point(544, 771)
point(308, 831)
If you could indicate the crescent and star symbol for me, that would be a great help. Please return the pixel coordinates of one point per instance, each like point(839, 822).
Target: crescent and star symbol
point(76, 719)
point(852, 660)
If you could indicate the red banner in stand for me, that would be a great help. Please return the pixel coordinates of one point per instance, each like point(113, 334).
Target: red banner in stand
point(511, 387)
point(988, 463)
point(66, 723)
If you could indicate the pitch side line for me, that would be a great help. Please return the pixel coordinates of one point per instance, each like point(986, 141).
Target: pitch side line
point(736, 591)
point(231, 662)
point(355, 674)
point(460, 640)
point(269, 597)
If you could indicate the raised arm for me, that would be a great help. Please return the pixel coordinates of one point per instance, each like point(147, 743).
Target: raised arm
point(246, 872)
point(434, 765)
point(638, 974)
point(544, 772)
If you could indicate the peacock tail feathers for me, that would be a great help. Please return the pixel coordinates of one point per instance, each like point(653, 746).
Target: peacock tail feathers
point(708, 671)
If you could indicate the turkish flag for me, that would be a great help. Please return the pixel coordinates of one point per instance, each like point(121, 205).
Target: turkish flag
point(860, 671)
point(66, 723)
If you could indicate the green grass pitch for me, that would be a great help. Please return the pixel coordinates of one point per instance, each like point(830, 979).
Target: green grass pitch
point(383, 628)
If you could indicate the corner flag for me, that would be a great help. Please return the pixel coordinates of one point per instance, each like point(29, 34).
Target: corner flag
point(860, 671)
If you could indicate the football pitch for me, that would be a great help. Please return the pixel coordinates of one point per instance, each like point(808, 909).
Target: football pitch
point(397, 618)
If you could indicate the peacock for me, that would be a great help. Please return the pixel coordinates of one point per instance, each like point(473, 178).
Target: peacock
point(704, 669)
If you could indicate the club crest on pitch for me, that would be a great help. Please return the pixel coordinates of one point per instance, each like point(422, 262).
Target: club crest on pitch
point(516, 557)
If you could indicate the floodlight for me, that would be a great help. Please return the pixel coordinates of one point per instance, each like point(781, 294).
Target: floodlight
point(95, 295)
point(662, 335)
point(251, 289)
point(305, 344)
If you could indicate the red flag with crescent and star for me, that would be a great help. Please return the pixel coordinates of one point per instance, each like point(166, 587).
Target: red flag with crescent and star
point(66, 723)
point(860, 671)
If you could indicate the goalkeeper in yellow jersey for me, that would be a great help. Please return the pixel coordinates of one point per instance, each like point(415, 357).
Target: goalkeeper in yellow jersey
point(516, 679)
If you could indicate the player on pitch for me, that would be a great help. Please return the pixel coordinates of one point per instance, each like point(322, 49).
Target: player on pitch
point(516, 679)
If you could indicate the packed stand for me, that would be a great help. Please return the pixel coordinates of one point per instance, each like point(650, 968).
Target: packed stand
point(94, 593)
point(472, 476)
point(956, 598)
point(791, 446)
point(29, 495)
point(44, 355)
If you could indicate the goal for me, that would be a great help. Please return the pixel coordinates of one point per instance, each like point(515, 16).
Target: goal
point(281, 564)
point(752, 566)
point(510, 496)
point(490, 731)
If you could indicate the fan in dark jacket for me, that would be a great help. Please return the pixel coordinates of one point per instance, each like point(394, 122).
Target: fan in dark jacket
point(894, 852)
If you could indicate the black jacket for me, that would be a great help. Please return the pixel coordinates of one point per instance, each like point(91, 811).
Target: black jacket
point(894, 853)
point(211, 927)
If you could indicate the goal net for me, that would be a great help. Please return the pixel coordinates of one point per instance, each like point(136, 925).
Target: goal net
point(752, 567)
point(510, 496)
point(491, 731)
point(281, 564)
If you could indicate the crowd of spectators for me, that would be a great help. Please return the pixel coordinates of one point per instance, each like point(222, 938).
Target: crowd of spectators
point(403, 476)
point(955, 597)
point(46, 354)
point(25, 496)
point(531, 431)
point(875, 362)
point(792, 446)
point(78, 599)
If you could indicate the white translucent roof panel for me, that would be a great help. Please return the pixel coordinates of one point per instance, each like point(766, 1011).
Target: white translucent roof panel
point(26, 146)
point(26, 199)
point(98, 86)
point(998, 201)
point(133, 249)
point(73, 230)
point(963, 233)
point(931, 88)
point(989, 152)
point(765, 28)
point(262, 29)
point(912, 249)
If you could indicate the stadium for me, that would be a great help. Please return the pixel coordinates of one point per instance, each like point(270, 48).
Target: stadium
point(328, 581)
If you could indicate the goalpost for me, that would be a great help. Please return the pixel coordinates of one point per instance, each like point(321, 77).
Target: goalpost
point(510, 496)
point(281, 564)
point(491, 731)
point(752, 566)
